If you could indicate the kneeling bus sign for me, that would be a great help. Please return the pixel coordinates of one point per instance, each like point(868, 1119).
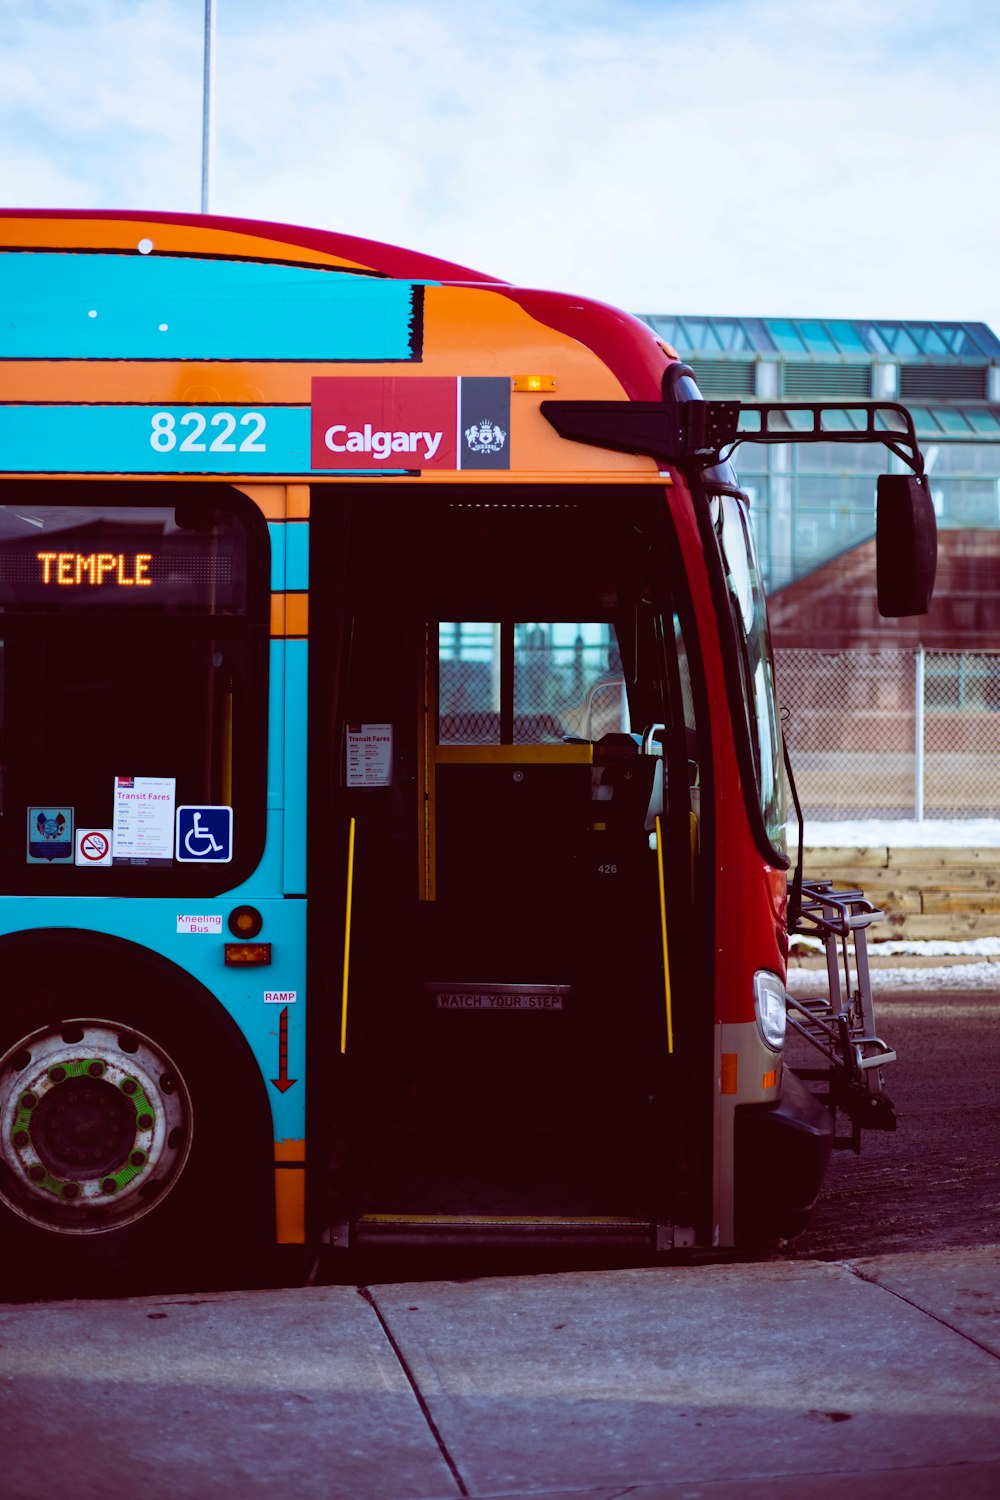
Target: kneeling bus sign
point(204, 835)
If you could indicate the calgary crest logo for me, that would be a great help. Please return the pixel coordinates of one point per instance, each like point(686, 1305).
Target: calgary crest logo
point(485, 436)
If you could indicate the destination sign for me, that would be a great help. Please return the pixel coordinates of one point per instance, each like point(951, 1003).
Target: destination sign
point(116, 569)
point(89, 556)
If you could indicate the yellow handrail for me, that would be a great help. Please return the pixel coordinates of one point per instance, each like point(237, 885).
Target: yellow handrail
point(347, 935)
point(663, 937)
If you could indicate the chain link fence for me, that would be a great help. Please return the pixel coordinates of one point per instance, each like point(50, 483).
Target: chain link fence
point(898, 733)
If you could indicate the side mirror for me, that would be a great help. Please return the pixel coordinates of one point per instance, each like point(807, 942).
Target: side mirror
point(905, 545)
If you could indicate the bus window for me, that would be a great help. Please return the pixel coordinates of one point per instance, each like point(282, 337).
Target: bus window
point(568, 682)
point(565, 681)
point(686, 697)
point(125, 641)
point(684, 675)
point(468, 682)
point(749, 613)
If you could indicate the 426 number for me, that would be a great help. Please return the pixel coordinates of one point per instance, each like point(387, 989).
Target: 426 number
point(164, 436)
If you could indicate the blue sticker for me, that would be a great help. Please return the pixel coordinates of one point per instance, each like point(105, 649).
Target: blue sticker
point(50, 835)
point(204, 835)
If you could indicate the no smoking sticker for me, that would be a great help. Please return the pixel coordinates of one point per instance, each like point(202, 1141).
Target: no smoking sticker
point(93, 846)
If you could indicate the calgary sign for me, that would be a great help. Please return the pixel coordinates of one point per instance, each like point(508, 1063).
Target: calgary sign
point(423, 422)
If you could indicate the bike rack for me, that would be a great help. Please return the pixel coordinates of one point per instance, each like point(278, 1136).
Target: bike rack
point(842, 1026)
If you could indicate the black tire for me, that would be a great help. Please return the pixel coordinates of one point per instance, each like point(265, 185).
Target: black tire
point(134, 1129)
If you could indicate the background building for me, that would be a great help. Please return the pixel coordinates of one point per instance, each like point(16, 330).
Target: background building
point(888, 718)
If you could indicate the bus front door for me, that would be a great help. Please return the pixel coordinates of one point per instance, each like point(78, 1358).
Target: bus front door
point(507, 1032)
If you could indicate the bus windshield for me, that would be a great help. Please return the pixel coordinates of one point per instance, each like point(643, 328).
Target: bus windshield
point(749, 614)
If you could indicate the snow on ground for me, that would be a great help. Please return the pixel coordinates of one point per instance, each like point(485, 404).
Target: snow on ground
point(971, 971)
point(983, 947)
point(899, 833)
point(926, 979)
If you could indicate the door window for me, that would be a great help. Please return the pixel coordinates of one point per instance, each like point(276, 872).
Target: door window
point(529, 682)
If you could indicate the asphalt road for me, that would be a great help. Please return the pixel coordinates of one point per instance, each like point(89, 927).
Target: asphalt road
point(935, 1182)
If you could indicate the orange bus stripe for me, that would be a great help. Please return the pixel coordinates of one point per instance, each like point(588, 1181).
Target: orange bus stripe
point(270, 499)
point(293, 1151)
point(289, 614)
point(296, 614)
point(290, 1192)
point(97, 233)
point(290, 1207)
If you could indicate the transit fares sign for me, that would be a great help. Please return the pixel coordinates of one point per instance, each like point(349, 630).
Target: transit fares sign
point(422, 422)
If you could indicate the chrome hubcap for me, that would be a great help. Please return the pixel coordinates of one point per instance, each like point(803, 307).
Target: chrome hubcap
point(95, 1126)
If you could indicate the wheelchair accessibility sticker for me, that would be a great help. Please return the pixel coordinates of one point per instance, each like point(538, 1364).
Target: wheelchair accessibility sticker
point(204, 835)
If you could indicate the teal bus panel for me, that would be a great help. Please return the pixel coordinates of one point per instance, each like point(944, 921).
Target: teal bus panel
point(276, 726)
point(254, 997)
point(266, 879)
point(289, 554)
point(151, 439)
point(276, 531)
point(296, 766)
point(297, 544)
point(77, 305)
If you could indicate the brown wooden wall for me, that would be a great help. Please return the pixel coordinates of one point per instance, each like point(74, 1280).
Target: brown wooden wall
point(932, 893)
point(835, 605)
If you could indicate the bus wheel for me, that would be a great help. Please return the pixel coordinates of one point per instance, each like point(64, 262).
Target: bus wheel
point(95, 1127)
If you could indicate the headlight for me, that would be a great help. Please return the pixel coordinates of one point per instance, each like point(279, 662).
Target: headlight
point(769, 1004)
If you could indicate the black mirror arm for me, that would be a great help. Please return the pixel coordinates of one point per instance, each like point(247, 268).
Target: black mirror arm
point(911, 456)
point(700, 433)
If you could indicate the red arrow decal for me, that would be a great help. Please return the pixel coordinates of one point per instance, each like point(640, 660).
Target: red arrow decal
point(283, 1083)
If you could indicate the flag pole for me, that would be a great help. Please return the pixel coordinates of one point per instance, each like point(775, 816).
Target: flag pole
point(208, 110)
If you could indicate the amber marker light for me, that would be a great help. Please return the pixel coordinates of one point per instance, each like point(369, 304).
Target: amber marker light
point(247, 955)
point(245, 921)
point(534, 382)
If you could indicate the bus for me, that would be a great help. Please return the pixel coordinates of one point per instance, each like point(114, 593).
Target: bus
point(392, 802)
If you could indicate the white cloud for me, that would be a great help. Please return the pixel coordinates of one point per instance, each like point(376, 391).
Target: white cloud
point(768, 156)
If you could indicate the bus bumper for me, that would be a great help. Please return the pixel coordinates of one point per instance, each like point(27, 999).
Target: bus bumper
point(781, 1151)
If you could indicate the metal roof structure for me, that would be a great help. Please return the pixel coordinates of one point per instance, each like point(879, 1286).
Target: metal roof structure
point(826, 338)
point(931, 367)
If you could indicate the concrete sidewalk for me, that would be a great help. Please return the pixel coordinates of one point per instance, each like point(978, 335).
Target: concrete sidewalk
point(687, 1383)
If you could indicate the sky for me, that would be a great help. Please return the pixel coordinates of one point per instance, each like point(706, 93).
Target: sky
point(759, 157)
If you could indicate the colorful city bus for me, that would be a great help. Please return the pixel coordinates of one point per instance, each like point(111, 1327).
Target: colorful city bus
point(392, 814)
